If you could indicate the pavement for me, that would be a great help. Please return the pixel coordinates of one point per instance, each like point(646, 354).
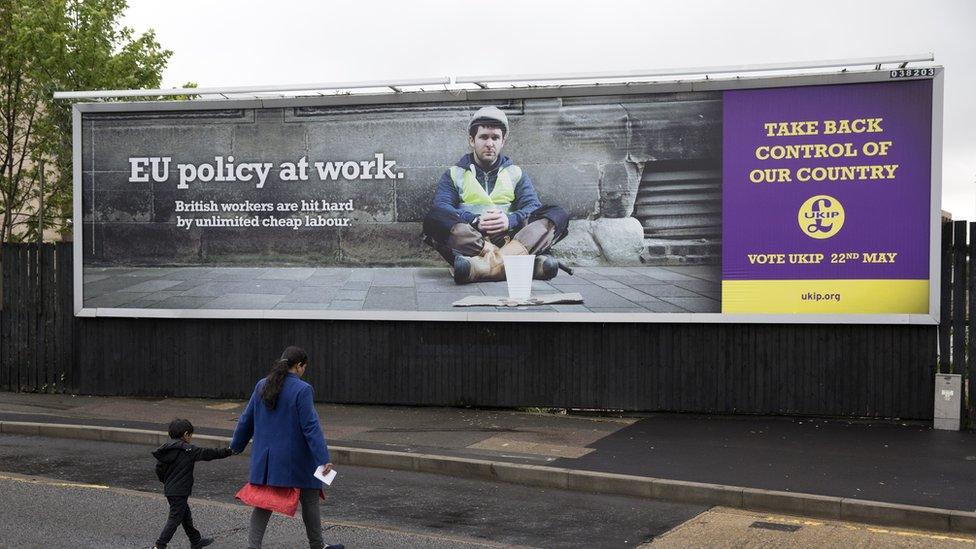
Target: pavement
point(678, 289)
point(883, 472)
point(722, 528)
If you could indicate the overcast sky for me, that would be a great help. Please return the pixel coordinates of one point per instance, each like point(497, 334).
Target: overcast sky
point(249, 42)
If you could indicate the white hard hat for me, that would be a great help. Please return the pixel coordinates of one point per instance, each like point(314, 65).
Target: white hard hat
point(489, 114)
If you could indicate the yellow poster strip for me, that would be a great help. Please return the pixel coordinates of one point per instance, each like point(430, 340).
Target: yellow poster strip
point(825, 296)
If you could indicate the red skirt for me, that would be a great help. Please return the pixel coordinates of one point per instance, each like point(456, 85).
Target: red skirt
point(272, 498)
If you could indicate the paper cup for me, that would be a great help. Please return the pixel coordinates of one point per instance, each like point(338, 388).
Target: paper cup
point(518, 274)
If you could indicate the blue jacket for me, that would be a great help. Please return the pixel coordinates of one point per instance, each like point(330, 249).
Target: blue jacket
point(288, 441)
point(526, 199)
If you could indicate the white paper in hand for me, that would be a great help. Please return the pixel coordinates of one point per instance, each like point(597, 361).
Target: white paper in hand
point(326, 478)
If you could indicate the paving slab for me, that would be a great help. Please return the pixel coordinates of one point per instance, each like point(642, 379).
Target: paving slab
point(245, 301)
point(629, 289)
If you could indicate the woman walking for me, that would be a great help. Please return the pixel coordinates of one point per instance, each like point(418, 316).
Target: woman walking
point(288, 445)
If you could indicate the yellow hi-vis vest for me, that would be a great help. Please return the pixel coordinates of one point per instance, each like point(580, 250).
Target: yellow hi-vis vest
point(473, 196)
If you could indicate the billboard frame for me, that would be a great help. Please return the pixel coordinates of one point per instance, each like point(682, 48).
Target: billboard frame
point(489, 94)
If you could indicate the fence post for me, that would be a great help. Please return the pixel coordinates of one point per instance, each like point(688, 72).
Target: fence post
point(945, 299)
point(959, 286)
point(960, 283)
point(969, 380)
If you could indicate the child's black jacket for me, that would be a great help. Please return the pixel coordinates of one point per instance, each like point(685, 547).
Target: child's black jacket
point(175, 461)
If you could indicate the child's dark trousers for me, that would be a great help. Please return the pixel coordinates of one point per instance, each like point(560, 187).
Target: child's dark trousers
point(179, 513)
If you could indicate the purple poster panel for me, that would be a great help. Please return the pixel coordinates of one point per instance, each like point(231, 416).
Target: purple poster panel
point(826, 199)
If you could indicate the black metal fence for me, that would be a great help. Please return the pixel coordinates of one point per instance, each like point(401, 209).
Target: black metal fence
point(957, 339)
point(824, 370)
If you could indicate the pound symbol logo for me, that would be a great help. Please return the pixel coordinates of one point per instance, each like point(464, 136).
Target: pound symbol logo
point(821, 216)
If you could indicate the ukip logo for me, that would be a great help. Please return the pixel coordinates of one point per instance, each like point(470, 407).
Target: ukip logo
point(821, 216)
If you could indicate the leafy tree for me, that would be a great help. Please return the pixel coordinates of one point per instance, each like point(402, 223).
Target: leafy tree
point(49, 45)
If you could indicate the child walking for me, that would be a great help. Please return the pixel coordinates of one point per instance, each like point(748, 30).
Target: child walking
point(174, 467)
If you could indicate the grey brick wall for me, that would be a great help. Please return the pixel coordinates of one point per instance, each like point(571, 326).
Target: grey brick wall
point(585, 154)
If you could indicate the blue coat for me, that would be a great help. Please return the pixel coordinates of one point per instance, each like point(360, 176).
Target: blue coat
point(288, 441)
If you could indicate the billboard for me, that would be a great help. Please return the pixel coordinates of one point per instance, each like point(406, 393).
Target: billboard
point(792, 199)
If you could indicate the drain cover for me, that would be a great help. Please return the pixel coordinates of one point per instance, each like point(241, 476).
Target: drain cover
point(775, 526)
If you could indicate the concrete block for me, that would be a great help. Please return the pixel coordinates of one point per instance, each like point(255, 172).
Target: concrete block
point(138, 243)
point(579, 247)
point(671, 221)
point(413, 136)
point(129, 436)
point(247, 301)
point(373, 201)
point(210, 441)
point(118, 182)
point(962, 521)
point(908, 516)
point(584, 133)
point(312, 295)
point(125, 206)
point(541, 105)
point(604, 241)
point(619, 184)
point(381, 459)
point(110, 197)
point(945, 424)
point(267, 138)
point(621, 241)
point(415, 192)
point(21, 428)
point(87, 198)
point(400, 278)
point(686, 128)
point(791, 503)
point(340, 455)
point(532, 475)
point(574, 187)
point(456, 467)
point(86, 144)
point(386, 244)
point(606, 483)
point(390, 299)
point(82, 432)
point(697, 492)
point(186, 143)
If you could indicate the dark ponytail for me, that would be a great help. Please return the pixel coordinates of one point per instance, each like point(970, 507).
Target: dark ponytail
point(276, 378)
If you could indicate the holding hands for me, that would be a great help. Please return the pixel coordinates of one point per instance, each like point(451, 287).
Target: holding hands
point(493, 222)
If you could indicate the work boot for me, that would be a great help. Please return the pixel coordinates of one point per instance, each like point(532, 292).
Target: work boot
point(546, 267)
point(489, 265)
point(486, 266)
point(514, 247)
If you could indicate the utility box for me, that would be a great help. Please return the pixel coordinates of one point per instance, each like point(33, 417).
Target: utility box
point(948, 401)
